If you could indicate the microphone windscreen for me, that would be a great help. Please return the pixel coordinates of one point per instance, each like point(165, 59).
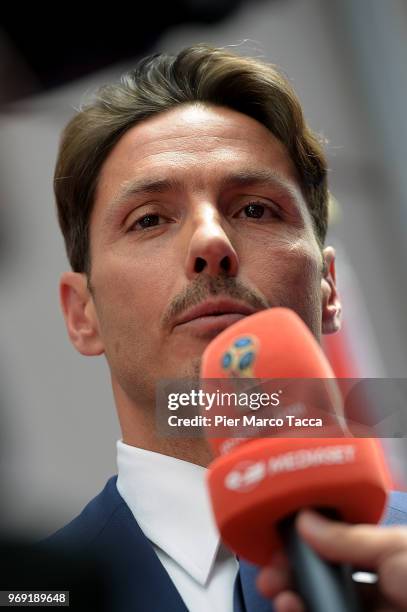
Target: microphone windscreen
point(259, 482)
point(272, 345)
point(255, 486)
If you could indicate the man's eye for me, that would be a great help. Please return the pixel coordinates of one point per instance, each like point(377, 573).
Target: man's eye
point(258, 210)
point(150, 220)
point(255, 211)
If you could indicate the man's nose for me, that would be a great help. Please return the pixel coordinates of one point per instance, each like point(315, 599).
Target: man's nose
point(210, 249)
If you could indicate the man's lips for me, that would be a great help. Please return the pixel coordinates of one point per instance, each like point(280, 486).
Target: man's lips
point(214, 315)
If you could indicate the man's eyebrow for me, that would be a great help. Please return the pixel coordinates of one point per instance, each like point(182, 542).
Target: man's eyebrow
point(240, 178)
point(135, 187)
point(261, 176)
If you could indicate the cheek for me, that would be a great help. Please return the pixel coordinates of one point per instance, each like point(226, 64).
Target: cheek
point(130, 300)
point(289, 274)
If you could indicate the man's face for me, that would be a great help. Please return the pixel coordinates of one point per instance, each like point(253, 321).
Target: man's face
point(198, 205)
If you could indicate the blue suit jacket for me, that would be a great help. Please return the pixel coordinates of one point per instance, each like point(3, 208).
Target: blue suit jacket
point(139, 581)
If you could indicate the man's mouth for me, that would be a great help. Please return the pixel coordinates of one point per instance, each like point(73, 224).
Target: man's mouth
point(212, 316)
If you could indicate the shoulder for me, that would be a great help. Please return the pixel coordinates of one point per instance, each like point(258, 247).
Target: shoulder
point(96, 517)
point(396, 511)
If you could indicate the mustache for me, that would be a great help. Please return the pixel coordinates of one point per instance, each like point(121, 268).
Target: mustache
point(208, 286)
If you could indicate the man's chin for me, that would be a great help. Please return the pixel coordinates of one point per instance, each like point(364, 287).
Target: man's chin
point(192, 369)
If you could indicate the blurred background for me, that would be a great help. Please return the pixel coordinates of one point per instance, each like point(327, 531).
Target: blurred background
point(346, 60)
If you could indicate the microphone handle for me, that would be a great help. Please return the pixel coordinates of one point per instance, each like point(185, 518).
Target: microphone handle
point(322, 585)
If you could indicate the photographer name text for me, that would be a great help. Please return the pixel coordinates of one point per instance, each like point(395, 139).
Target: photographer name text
point(288, 420)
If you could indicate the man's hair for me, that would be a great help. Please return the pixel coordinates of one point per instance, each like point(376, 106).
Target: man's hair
point(160, 82)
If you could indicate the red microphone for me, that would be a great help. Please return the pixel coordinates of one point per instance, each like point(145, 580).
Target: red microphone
point(274, 344)
point(262, 483)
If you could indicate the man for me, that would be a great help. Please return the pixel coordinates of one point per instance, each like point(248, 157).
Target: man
point(190, 195)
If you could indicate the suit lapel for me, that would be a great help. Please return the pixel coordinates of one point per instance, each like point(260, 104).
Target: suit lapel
point(139, 580)
point(246, 597)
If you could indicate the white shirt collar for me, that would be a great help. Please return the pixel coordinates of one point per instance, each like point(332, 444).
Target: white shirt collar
point(169, 499)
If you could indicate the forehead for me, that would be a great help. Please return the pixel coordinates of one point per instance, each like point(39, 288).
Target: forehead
point(196, 143)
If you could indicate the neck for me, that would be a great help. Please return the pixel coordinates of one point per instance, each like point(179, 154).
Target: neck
point(139, 429)
point(193, 450)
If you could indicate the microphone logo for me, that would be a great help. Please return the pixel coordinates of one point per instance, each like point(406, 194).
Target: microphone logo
point(246, 476)
point(239, 359)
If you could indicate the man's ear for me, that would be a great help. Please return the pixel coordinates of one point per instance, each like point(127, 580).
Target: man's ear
point(330, 302)
point(80, 315)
